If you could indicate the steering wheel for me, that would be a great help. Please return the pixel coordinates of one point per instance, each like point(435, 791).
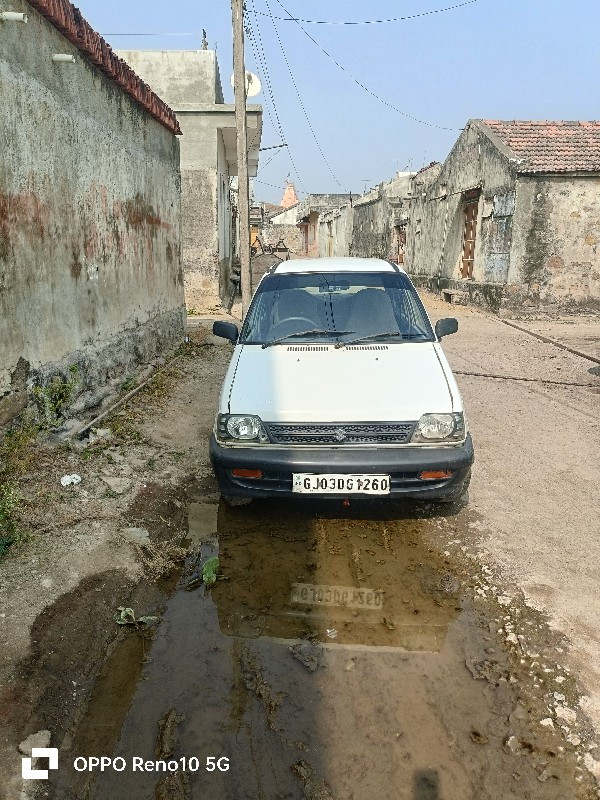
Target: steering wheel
point(283, 322)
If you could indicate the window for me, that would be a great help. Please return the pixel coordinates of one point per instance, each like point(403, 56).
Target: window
point(340, 306)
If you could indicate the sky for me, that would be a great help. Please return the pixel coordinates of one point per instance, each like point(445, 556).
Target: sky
point(489, 59)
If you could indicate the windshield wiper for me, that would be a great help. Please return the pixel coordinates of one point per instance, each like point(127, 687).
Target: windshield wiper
point(381, 335)
point(314, 332)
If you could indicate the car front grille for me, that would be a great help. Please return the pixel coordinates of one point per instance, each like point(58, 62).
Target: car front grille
point(340, 433)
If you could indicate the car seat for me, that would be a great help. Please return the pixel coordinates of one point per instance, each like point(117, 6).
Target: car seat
point(371, 313)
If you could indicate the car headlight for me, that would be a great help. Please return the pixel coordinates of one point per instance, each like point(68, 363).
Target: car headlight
point(440, 428)
point(241, 428)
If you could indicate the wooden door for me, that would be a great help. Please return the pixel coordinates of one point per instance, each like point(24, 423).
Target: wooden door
point(470, 231)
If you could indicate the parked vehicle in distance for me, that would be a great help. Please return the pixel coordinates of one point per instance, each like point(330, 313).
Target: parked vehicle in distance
point(338, 387)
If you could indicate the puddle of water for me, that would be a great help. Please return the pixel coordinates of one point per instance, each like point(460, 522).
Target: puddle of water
point(336, 657)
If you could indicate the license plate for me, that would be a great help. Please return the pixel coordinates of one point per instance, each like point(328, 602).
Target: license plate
point(309, 483)
point(311, 594)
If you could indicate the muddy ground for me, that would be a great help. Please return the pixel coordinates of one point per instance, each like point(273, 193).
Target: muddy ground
point(371, 651)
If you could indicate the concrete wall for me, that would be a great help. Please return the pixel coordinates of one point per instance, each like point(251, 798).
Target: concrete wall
point(90, 271)
point(555, 255)
point(335, 232)
point(287, 217)
point(186, 78)
point(178, 76)
point(271, 234)
point(375, 217)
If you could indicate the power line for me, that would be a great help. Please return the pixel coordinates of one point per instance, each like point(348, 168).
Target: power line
point(358, 83)
point(264, 166)
point(261, 63)
point(300, 96)
point(274, 186)
point(289, 18)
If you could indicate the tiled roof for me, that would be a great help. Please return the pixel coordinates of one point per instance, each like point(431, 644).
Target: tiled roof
point(71, 23)
point(551, 146)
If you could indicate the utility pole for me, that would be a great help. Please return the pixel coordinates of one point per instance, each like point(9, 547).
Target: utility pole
point(239, 87)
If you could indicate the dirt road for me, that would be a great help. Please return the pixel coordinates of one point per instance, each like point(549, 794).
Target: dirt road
point(372, 651)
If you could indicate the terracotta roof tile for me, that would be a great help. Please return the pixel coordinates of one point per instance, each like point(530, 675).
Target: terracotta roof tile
point(547, 146)
point(71, 23)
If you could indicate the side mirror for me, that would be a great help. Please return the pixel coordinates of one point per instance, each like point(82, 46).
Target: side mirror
point(446, 326)
point(226, 330)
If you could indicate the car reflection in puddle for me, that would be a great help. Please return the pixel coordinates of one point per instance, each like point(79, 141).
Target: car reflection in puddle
point(347, 582)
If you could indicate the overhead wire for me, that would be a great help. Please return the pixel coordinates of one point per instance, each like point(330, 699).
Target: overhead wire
point(264, 166)
point(314, 135)
point(290, 18)
point(261, 64)
point(273, 185)
point(362, 85)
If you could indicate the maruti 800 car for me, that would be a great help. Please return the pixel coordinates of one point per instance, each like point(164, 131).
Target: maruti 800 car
point(338, 387)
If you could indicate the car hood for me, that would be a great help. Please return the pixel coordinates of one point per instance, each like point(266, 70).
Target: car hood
point(318, 383)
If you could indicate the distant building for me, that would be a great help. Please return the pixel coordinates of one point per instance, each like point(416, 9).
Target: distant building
point(307, 218)
point(290, 198)
point(512, 217)
point(190, 82)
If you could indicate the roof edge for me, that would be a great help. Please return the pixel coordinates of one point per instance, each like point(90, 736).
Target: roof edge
point(70, 22)
point(496, 140)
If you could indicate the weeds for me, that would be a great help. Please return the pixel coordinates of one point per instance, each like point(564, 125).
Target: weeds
point(9, 531)
point(16, 455)
point(16, 451)
point(159, 559)
point(128, 385)
point(123, 428)
point(54, 397)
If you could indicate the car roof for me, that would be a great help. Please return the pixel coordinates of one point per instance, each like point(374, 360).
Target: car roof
point(335, 265)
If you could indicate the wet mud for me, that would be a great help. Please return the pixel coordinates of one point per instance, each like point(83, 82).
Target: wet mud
point(340, 655)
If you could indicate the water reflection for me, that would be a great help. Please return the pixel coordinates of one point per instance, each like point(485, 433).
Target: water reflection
point(349, 582)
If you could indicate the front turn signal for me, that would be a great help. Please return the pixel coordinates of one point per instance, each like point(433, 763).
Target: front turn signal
point(435, 474)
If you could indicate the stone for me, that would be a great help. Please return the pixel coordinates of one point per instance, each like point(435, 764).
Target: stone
point(217, 341)
point(117, 485)
point(566, 714)
point(102, 433)
point(136, 535)
point(137, 462)
point(306, 654)
point(39, 739)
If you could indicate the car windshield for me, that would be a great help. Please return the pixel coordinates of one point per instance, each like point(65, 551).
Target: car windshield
point(336, 307)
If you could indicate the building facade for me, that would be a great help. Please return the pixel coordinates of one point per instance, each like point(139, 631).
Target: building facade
point(190, 82)
point(512, 217)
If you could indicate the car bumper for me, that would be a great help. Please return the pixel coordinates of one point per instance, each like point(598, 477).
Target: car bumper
point(402, 464)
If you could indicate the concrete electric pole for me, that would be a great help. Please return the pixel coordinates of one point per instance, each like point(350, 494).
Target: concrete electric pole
point(239, 83)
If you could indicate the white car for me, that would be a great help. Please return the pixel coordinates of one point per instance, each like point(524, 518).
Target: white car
point(338, 387)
